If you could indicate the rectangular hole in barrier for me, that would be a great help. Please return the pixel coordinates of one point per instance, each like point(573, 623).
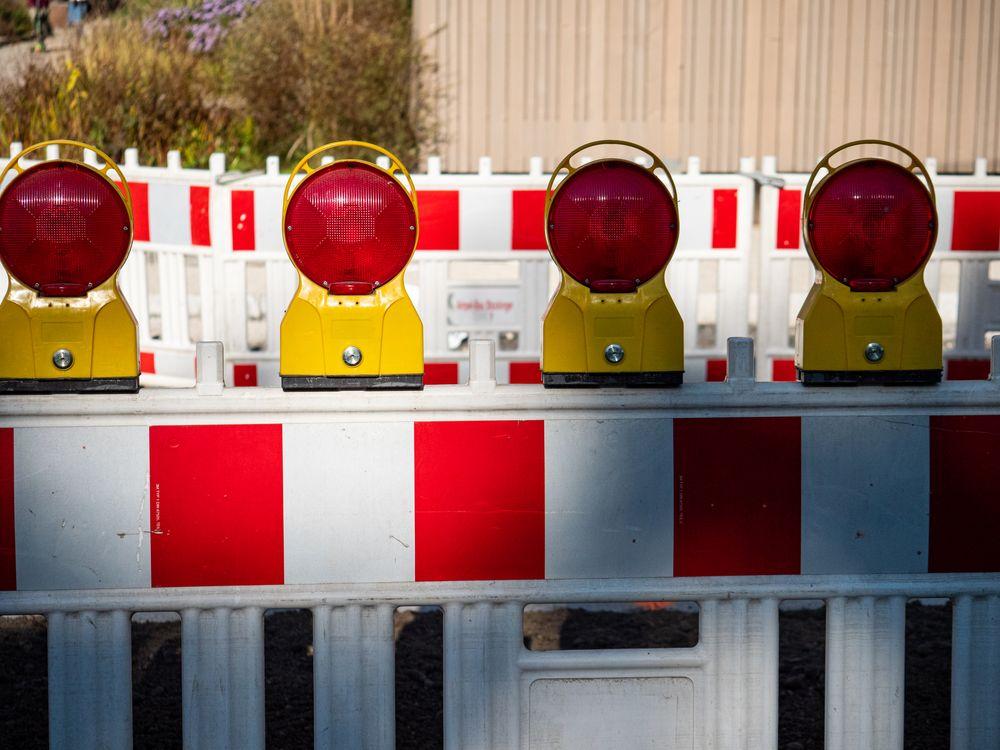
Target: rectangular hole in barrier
point(802, 274)
point(988, 338)
point(156, 680)
point(192, 288)
point(708, 304)
point(24, 700)
point(288, 678)
point(947, 300)
point(256, 306)
point(419, 677)
point(458, 341)
point(927, 711)
point(508, 341)
point(484, 270)
point(994, 270)
point(570, 627)
point(801, 673)
point(154, 297)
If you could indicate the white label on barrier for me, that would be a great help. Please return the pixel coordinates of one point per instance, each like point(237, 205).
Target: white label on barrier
point(480, 305)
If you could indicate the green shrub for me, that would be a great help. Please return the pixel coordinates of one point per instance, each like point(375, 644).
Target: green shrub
point(15, 22)
point(314, 71)
point(291, 76)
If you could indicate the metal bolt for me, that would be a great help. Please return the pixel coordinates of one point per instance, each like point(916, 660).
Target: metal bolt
point(62, 358)
point(289, 228)
point(874, 352)
point(352, 356)
point(614, 353)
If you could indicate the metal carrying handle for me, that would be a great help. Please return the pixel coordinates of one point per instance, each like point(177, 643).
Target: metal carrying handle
point(395, 167)
point(109, 166)
point(566, 164)
point(914, 166)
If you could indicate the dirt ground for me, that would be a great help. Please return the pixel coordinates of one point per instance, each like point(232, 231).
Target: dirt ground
point(419, 698)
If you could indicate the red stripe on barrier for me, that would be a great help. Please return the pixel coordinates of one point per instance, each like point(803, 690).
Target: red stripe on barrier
point(479, 490)
point(783, 371)
point(723, 219)
point(438, 219)
point(715, 370)
point(968, 369)
point(8, 561)
point(965, 514)
point(147, 362)
point(745, 520)
point(140, 210)
point(525, 372)
point(216, 505)
point(201, 233)
point(244, 236)
point(528, 210)
point(244, 376)
point(789, 219)
point(976, 220)
point(441, 373)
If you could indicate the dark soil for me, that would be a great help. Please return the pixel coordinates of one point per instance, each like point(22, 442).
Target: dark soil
point(419, 673)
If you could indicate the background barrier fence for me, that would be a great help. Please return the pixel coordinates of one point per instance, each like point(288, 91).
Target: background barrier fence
point(210, 264)
point(482, 499)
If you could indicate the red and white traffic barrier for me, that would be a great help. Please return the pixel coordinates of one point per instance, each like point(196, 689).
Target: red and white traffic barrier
point(484, 498)
point(958, 275)
point(180, 489)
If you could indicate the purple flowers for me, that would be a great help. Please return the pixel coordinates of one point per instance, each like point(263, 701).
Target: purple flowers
point(203, 25)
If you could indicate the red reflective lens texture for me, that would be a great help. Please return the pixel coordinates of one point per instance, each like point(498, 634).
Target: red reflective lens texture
point(352, 227)
point(871, 224)
point(612, 225)
point(64, 229)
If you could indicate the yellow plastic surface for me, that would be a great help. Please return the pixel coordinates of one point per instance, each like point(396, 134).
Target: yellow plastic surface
point(836, 324)
point(319, 326)
point(98, 329)
point(579, 324)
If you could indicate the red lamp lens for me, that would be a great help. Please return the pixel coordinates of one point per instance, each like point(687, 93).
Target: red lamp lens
point(612, 225)
point(64, 229)
point(871, 224)
point(350, 227)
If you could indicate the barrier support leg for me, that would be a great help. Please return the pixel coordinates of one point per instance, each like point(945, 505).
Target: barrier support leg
point(90, 680)
point(222, 677)
point(865, 646)
point(975, 672)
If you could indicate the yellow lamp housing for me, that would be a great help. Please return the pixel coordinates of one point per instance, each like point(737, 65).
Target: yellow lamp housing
point(869, 225)
point(65, 232)
point(612, 226)
point(350, 229)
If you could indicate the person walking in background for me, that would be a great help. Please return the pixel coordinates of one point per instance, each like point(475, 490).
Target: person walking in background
point(43, 29)
point(76, 12)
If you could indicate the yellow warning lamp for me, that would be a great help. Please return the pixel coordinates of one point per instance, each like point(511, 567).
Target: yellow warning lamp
point(65, 231)
point(870, 226)
point(612, 226)
point(350, 229)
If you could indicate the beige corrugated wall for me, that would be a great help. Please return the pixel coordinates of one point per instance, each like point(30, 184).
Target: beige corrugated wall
point(717, 79)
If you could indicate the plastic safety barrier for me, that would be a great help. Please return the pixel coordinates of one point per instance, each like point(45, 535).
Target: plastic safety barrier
point(484, 498)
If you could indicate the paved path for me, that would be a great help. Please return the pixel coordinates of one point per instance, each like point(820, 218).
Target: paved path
point(13, 57)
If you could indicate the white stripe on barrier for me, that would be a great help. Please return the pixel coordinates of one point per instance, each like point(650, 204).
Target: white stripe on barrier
point(865, 494)
point(346, 512)
point(617, 515)
point(96, 535)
